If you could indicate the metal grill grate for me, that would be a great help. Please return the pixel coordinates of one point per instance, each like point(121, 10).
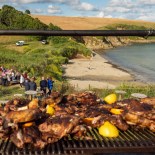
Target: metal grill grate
point(129, 141)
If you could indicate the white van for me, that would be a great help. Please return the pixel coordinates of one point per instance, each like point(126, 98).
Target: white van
point(20, 43)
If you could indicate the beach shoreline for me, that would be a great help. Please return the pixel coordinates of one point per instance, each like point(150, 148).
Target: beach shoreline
point(95, 72)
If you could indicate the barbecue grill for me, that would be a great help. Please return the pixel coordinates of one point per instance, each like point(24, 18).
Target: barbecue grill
point(131, 141)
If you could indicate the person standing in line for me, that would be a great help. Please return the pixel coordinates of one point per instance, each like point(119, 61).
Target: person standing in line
point(17, 76)
point(4, 78)
point(26, 84)
point(43, 85)
point(50, 85)
point(2, 69)
point(12, 74)
point(32, 84)
point(21, 81)
point(25, 75)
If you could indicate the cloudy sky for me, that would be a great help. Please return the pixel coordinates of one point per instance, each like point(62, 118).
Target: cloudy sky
point(130, 9)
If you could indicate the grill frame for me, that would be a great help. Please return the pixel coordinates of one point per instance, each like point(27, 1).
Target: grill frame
point(130, 141)
point(140, 33)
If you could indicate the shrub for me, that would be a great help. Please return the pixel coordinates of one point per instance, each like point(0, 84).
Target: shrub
point(69, 52)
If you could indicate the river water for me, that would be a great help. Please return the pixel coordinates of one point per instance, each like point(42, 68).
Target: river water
point(138, 59)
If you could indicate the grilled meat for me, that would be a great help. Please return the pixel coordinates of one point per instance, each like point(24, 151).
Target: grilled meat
point(86, 98)
point(139, 113)
point(2, 112)
point(29, 135)
point(98, 114)
point(54, 128)
point(17, 138)
point(79, 131)
point(33, 135)
point(74, 114)
point(149, 100)
point(54, 99)
point(22, 116)
point(16, 103)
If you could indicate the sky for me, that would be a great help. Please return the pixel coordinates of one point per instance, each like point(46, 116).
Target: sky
point(128, 9)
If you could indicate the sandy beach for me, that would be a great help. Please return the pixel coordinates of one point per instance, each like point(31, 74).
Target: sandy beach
point(95, 72)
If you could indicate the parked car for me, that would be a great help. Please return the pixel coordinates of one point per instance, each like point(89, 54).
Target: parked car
point(44, 42)
point(20, 43)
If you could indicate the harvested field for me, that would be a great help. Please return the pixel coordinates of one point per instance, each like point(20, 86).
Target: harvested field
point(88, 23)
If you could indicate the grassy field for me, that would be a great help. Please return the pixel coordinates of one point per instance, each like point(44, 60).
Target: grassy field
point(7, 93)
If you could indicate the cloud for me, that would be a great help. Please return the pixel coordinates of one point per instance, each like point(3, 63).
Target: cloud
point(147, 17)
point(71, 2)
point(122, 3)
point(101, 14)
point(85, 7)
point(37, 11)
point(130, 9)
point(117, 9)
point(147, 2)
point(54, 9)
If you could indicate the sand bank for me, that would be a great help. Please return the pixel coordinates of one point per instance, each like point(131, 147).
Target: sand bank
point(95, 72)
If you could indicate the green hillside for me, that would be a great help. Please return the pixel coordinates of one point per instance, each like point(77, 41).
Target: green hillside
point(125, 27)
point(35, 58)
point(10, 18)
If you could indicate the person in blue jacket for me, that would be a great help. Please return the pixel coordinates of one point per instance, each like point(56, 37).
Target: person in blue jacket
point(49, 85)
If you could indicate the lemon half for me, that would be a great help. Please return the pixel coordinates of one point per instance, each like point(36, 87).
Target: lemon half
point(50, 110)
point(110, 99)
point(108, 130)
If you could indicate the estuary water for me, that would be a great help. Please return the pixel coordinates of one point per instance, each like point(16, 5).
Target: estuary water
point(138, 59)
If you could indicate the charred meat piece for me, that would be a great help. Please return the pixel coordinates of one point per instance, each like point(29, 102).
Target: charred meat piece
point(22, 116)
point(139, 113)
point(16, 103)
point(33, 135)
point(138, 120)
point(79, 131)
point(17, 138)
point(29, 135)
point(149, 100)
point(96, 117)
point(86, 98)
point(2, 112)
point(134, 105)
point(52, 100)
point(95, 111)
point(54, 128)
point(116, 120)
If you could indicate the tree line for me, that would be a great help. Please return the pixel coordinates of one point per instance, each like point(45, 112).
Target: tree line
point(10, 18)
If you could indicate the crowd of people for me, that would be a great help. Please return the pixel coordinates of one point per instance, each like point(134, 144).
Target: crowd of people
point(46, 83)
point(8, 75)
point(30, 84)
